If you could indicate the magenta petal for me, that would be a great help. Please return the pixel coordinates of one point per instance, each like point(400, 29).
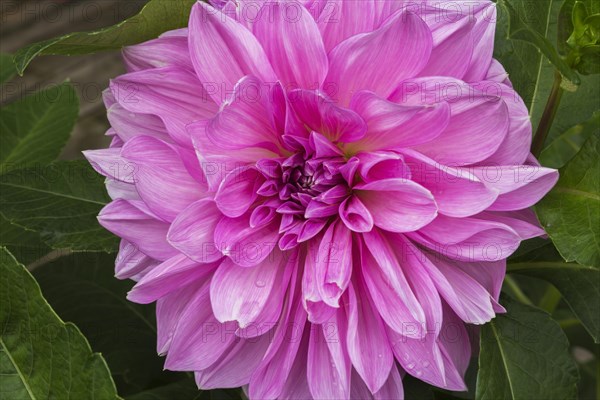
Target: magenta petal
point(131, 261)
point(161, 52)
point(398, 205)
point(192, 232)
point(334, 265)
point(368, 345)
point(172, 93)
point(198, 340)
point(392, 389)
point(457, 192)
point(237, 192)
point(290, 42)
point(339, 20)
point(519, 186)
point(328, 366)
point(231, 53)
point(355, 215)
point(168, 276)
point(469, 239)
point(396, 59)
point(392, 126)
point(239, 294)
point(146, 233)
point(390, 291)
point(245, 245)
point(452, 50)
point(235, 368)
point(160, 176)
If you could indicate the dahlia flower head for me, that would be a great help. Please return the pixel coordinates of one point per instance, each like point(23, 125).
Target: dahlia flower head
point(320, 195)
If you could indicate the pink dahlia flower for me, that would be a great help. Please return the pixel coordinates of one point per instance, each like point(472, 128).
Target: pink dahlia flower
point(320, 195)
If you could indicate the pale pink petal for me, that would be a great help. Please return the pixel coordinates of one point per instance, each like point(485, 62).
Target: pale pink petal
point(161, 52)
point(351, 62)
point(290, 37)
point(339, 20)
point(368, 345)
point(146, 233)
point(172, 93)
point(237, 191)
point(131, 261)
point(328, 365)
point(160, 176)
point(392, 126)
point(239, 294)
point(398, 205)
point(192, 232)
point(520, 186)
point(355, 215)
point(391, 293)
point(457, 192)
point(235, 368)
point(334, 265)
point(223, 51)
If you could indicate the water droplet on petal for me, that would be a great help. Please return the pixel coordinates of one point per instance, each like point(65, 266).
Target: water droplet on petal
point(426, 364)
point(418, 373)
point(410, 366)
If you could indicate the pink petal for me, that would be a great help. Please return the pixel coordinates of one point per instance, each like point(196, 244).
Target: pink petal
point(161, 52)
point(290, 37)
point(328, 365)
point(322, 115)
point(236, 367)
point(392, 126)
point(368, 345)
point(397, 205)
point(237, 191)
point(355, 215)
point(245, 245)
point(239, 294)
point(339, 20)
point(379, 165)
point(198, 340)
point(390, 291)
point(457, 192)
point(192, 232)
point(334, 265)
point(392, 389)
point(452, 49)
point(483, 35)
point(128, 124)
point(110, 163)
point(318, 311)
point(520, 186)
point(160, 176)
point(167, 277)
point(143, 231)
point(223, 51)
point(469, 239)
point(131, 261)
point(396, 59)
point(474, 133)
point(172, 93)
point(245, 121)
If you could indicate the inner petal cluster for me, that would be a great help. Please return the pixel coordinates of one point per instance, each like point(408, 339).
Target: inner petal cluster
point(306, 188)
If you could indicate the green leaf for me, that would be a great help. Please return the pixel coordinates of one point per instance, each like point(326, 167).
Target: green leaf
point(570, 213)
point(518, 29)
point(25, 245)
point(61, 202)
point(35, 129)
point(579, 286)
point(156, 17)
point(82, 288)
point(184, 389)
point(7, 67)
point(523, 65)
point(41, 356)
point(525, 355)
point(566, 146)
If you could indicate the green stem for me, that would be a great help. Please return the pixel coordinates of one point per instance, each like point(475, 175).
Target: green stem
point(548, 116)
point(516, 290)
point(569, 322)
point(550, 299)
